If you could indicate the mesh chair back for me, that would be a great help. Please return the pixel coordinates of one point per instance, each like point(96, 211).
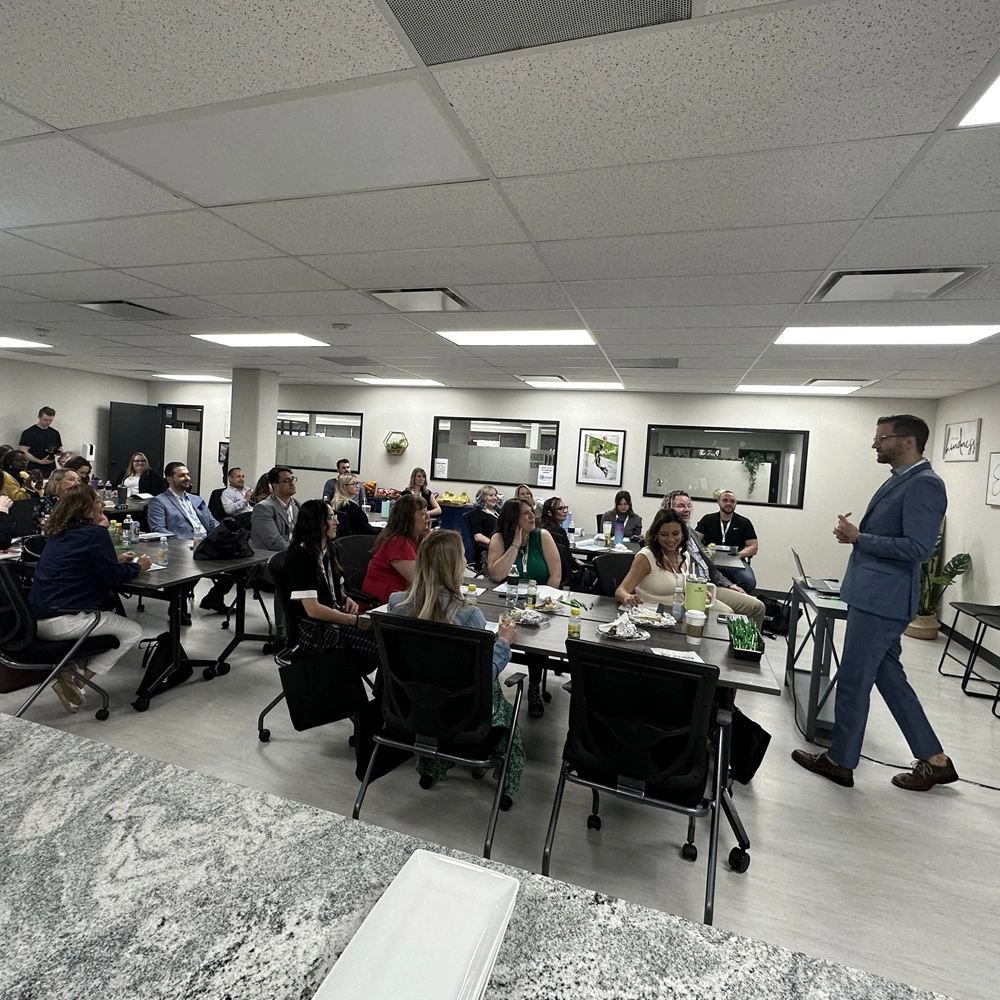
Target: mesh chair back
point(283, 592)
point(612, 568)
point(438, 679)
point(640, 717)
point(17, 623)
point(354, 553)
point(215, 507)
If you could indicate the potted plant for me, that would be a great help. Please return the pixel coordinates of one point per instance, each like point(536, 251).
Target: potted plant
point(934, 580)
point(395, 442)
point(752, 461)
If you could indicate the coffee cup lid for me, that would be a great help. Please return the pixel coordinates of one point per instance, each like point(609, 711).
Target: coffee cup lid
point(696, 614)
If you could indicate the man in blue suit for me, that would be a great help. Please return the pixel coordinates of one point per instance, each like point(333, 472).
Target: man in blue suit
point(882, 588)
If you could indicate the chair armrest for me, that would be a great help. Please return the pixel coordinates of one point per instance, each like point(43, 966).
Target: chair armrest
point(515, 679)
point(356, 594)
point(568, 686)
point(724, 717)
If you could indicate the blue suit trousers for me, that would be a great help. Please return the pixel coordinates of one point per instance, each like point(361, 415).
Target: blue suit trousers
point(871, 658)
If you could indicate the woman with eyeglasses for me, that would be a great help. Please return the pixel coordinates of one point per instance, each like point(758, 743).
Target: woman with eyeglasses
point(141, 478)
point(519, 542)
point(352, 519)
point(625, 522)
point(419, 488)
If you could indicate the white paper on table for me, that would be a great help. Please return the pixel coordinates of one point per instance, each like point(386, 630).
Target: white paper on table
point(494, 627)
point(155, 566)
point(152, 536)
point(678, 654)
point(544, 591)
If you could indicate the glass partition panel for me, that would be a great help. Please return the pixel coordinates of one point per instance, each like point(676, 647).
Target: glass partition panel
point(763, 467)
point(319, 439)
point(505, 452)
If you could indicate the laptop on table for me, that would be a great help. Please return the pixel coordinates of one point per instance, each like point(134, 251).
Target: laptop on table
point(830, 587)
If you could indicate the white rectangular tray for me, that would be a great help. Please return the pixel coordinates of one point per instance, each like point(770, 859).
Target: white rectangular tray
point(434, 935)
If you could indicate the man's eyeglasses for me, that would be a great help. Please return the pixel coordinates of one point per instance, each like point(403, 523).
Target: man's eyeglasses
point(879, 438)
point(289, 479)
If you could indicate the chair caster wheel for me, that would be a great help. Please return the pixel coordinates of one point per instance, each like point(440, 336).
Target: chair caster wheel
point(208, 673)
point(222, 668)
point(593, 822)
point(739, 860)
point(225, 624)
point(426, 782)
point(268, 648)
point(505, 803)
point(101, 714)
point(689, 852)
point(546, 696)
point(264, 735)
point(351, 741)
point(140, 704)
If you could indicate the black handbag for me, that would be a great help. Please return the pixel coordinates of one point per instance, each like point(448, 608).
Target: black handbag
point(227, 540)
point(748, 744)
point(319, 690)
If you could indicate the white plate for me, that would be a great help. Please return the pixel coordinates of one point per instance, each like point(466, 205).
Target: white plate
point(640, 636)
point(434, 935)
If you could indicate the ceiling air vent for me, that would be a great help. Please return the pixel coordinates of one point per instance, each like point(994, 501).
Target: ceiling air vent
point(625, 363)
point(122, 309)
point(910, 285)
point(420, 299)
point(449, 30)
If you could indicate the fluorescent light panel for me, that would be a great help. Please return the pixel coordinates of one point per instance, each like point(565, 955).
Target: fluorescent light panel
point(193, 378)
point(260, 339)
point(537, 384)
point(372, 380)
point(14, 342)
point(800, 390)
point(896, 336)
point(986, 111)
point(517, 338)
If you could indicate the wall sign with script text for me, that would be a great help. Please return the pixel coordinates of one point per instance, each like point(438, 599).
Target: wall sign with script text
point(961, 441)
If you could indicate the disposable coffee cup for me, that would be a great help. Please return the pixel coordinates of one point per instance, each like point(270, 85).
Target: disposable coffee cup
point(695, 625)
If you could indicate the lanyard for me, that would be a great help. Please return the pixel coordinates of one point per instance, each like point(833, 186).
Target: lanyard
point(724, 527)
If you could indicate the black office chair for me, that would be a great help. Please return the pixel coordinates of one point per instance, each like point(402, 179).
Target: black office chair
point(353, 553)
point(612, 568)
point(481, 550)
point(215, 507)
point(437, 700)
point(639, 728)
point(21, 649)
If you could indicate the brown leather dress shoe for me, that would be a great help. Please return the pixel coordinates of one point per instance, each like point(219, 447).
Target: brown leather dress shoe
point(819, 763)
point(926, 775)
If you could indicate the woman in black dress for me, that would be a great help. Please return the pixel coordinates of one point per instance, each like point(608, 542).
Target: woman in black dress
point(419, 488)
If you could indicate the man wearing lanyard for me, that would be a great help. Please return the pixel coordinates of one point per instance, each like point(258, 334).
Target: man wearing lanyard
point(729, 528)
point(881, 588)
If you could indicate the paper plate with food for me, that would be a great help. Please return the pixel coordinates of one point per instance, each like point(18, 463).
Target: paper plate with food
point(547, 606)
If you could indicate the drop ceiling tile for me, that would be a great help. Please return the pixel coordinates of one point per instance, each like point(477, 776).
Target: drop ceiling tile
point(233, 277)
point(955, 311)
point(237, 324)
point(927, 241)
point(795, 76)
point(10, 295)
point(734, 251)
point(300, 303)
point(777, 187)
point(518, 296)
point(445, 266)
point(445, 215)
point(693, 290)
point(20, 256)
point(721, 6)
point(176, 238)
point(388, 136)
point(83, 286)
point(669, 340)
point(186, 307)
point(93, 325)
point(14, 125)
point(686, 317)
point(737, 354)
point(44, 312)
point(513, 320)
point(985, 285)
point(184, 56)
point(360, 327)
point(53, 179)
point(959, 173)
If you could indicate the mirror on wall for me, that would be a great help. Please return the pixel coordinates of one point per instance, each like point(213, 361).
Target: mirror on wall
point(764, 467)
point(504, 452)
point(318, 439)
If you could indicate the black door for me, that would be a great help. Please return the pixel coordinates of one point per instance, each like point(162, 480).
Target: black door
point(133, 427)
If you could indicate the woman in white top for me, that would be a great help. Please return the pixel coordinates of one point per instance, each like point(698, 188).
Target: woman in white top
point(659, 567)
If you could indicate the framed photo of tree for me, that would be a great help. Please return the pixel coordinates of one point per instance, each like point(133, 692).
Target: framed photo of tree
point(601, 459)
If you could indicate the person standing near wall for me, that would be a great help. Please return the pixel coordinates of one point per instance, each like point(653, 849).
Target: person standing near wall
point(41, 442)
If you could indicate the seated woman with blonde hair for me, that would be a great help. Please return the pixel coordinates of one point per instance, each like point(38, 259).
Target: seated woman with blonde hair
point(435, 595)
point(350, 517)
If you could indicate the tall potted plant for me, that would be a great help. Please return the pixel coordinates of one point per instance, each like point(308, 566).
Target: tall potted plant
point(934, 580)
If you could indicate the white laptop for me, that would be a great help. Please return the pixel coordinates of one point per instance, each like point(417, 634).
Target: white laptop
point(824, 586)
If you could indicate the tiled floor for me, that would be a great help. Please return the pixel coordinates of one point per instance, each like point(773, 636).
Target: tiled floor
point(898, 883)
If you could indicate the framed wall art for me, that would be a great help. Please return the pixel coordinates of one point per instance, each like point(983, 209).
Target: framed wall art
point(993, 480)
point(961, 441)
point(601, 459)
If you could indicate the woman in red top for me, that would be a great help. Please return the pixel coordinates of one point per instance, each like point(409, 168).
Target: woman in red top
point(394, 554)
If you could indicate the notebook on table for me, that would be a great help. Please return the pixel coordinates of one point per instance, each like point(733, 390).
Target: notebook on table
point(821, 586)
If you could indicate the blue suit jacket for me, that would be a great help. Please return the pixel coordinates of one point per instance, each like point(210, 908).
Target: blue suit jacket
point(898, 532)
point(165, 514)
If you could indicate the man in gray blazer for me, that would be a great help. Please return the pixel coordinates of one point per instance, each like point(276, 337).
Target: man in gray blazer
point(272, 519)
point(882, 588)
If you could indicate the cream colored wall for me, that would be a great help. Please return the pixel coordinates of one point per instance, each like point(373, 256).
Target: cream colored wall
point(842, 473)
point(80, 400)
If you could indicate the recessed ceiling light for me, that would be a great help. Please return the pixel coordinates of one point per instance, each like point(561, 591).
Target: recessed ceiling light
point(193, 378)
point(260, 339)
point(541, 384)
point(896, 336)
point(517, 338)
point(800, 390)
point(14, 342)
point(372, 380)
point(986, 111)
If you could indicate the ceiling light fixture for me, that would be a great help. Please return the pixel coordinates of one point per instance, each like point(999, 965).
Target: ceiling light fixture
point(372, 380)
point(986, 111)
point(193, 378)
point(14, 342)
point(517, 338)
point(260, 339)
point(800, 390)
point(600, 386)
point(895, 336)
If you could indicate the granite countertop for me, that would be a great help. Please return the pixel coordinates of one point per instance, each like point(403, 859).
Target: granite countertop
point(121, 876)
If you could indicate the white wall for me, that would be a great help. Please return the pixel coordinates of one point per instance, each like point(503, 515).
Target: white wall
point(80, 400)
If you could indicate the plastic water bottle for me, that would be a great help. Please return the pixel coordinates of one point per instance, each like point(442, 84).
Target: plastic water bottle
point(678, 609)
point(127, 525)
point(570, 527)
point(512, 583)
point(163, 551)
point(136, 530)
point(109, 491)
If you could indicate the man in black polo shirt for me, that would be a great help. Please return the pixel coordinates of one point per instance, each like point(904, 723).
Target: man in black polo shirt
point(41, 442)
point(729, 528)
